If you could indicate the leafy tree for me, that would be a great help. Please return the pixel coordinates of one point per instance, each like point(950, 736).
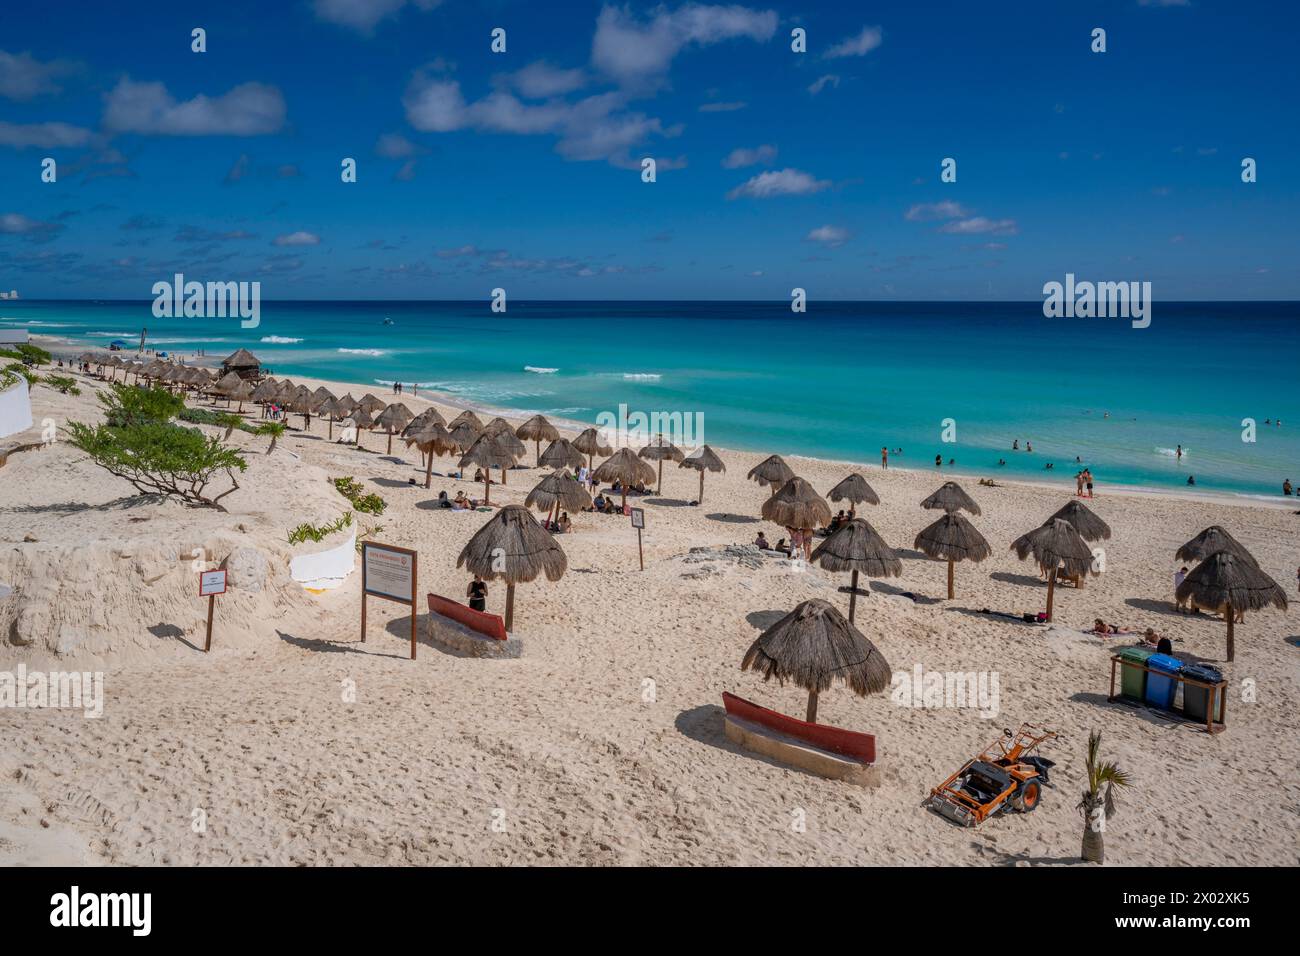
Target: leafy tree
point(28, 354)
point(161, 458)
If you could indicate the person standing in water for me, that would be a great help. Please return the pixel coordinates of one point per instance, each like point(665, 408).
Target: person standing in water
point(884, 457)
point(1178, 453)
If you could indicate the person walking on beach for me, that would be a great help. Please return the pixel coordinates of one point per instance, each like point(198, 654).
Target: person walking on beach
point(884, 458)
point(1078, 484)
point(1179, 577)
point(1087, 480)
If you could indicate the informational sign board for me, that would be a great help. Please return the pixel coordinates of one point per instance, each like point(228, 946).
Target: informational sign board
point(388, 572)
point(391, 573)
point(212, 583)
point(638, 518)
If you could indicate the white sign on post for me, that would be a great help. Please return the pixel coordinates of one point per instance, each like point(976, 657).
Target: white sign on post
point(389, 572)
point(638, 517)
point(212, 582)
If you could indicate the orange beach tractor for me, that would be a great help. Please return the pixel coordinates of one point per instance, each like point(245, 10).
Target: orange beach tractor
point(1006, 774)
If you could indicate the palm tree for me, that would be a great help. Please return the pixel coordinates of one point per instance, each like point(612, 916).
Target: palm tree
point(275, 429)
point(1098, 802)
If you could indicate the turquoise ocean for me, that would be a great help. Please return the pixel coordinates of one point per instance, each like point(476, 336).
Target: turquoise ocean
point(838, 381)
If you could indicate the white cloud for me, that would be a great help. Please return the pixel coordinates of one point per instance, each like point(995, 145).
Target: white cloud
point(251, 109)
point(928, 212)
point(596, 127)
point(829, 236)
point(822, 82)
point(739, 158)
point(49, 135)
point(300, 238)
point(23, 77)
point(395, 146)
point(540, 80)
point(722, 107)
point(637, 53)
point(859, 45)
point(363, 15)
point(16, 224)
point(781, 182)
point(978, 225)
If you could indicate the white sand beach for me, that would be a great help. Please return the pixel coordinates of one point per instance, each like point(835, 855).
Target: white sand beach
point(568, 755)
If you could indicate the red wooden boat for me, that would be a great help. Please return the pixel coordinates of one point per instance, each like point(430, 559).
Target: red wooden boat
point(845, 743)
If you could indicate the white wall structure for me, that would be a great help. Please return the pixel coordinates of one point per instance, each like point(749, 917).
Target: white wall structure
point(15, 409)
point(325, 569)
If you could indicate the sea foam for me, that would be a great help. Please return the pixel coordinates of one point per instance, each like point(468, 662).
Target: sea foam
point(280, 340)
point(539, 370)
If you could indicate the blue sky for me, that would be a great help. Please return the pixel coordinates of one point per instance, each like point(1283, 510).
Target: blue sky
point(776, 169)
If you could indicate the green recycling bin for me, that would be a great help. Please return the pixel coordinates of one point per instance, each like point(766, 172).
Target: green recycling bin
point(1133, 679)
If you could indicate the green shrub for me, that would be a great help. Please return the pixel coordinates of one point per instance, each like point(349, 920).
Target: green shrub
point(128, 405)
point(28, 353)
point(16, 370)
point(275, 429)
point(354, 491)
point(63, 383)
point(161, 458)
point(311, 532)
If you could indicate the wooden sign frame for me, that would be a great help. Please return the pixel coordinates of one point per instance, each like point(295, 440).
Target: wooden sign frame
point(366, 592)
point(638, 522)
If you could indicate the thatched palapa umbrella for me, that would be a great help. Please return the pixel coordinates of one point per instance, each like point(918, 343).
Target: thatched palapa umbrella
point(953, 538)
point(589, 444)
point(1089, 526)
point(1056, 546)
point(703, 459)
point(504, 433)
point(466, 416)
point(224, 386)
point(951, 497)
point(432, 439)
point(558, 490)
point(464, 434)
point(265, 393)
point(771, 471)
point(360, 419)
point(661, 451)
point(514, 548)
point(488, 452)
point(1228, 582)
point(241, 393)
point(813, 646)
point(371, 404)
point(625, 468)
point(393, 419)
point(536, 430)
point(1211, 541)
point(857, 547)
point(855, 490)
point(561, 454)
point(797, 505)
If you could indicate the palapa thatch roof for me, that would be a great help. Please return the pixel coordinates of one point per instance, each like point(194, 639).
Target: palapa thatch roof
point(466, 416)
point(513, 546)
point(241, 358)
point(287, 390)
point(856, 546)
point(394, 418)
point(504, 432)
point(951, 497)
point(561, 454)
point(703, 458)
point(429, 415)
point(487, 451)
point(242, 392)
point(1089, 526)
point(624, 467)
point(1226, 577)
point(227, 383)
point(371, 404)
point(429, 436)
point(266, 390)
point(346, 405)
point(589, 443)
point(855, 489)
point(329, 409)
point(560, 488)
point(1055, 545)
point(661, 451)
point(1211, 541)
point(797, 505)
point(361, 418)
point(464, 433)
point(771, 471)
point(813, 646)
point(537, 428)
point(953, 538)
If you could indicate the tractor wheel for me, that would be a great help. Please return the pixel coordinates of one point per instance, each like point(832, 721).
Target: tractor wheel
point(1029, 796)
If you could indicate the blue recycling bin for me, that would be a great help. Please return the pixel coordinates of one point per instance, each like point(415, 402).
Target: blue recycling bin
point(1196, 700)
point(1161, 685)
